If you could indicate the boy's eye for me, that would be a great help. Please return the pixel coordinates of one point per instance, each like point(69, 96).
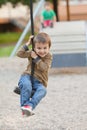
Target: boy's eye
point(39, 48)
point(45, 48)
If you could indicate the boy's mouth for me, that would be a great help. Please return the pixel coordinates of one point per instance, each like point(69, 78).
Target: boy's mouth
point(42, 55)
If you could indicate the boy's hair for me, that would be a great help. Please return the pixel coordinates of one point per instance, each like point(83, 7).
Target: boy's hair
point(42, 38)
point(47, 4)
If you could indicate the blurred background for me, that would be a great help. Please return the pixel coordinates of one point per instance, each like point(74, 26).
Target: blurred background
point(15, 14)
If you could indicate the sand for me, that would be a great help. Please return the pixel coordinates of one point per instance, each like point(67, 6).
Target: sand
point(63, 108)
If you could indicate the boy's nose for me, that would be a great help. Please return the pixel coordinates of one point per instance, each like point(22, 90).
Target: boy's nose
point(42, 50)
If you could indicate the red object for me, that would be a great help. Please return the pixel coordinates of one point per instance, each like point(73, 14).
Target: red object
point(47, 23)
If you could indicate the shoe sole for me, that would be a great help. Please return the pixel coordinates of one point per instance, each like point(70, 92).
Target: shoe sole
point(27, 112)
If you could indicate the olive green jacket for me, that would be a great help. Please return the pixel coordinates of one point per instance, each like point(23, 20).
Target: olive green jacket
point(42, 65)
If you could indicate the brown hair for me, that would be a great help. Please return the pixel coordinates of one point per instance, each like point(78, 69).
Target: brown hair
point(48, 4)
point(42, 38)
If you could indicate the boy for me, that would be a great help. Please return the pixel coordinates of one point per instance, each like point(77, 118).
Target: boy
point(42, 59)
point(48, 16)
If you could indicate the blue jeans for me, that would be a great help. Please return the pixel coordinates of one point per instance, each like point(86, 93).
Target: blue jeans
point(26, 88)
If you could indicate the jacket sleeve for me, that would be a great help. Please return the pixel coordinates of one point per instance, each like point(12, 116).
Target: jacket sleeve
point(44, 65)
point(24, 52)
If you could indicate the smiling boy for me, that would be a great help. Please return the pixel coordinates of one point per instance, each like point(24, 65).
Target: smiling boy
point(42, 59)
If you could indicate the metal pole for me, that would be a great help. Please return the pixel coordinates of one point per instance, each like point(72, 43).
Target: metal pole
point(32, 23)
point(31, 14)
point(32, 32)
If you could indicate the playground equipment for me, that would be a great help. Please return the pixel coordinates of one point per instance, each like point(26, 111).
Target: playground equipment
point(69, 44)
point(26, 29)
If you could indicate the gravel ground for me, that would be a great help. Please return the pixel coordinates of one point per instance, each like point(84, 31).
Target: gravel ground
point(64, 107)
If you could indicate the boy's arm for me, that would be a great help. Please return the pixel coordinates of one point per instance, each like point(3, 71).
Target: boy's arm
point(24, 51)
point(43, 65)
point(42, 16)
point(54, 16)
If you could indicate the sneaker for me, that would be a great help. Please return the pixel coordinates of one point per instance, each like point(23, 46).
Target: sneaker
point(23, 114)
point(27, 110)
point(51, 25)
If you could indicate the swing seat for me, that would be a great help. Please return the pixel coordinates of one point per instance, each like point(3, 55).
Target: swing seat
point(17, 91)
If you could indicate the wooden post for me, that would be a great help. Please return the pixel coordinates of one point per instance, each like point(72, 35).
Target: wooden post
point(55, 5)
point(68, 11)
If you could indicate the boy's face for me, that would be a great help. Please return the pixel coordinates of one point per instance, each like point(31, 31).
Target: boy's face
point(41, 49)
point(47, 7)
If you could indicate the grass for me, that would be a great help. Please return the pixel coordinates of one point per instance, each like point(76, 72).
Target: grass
point(11, 37)
point(7, 40)
point(6, 51)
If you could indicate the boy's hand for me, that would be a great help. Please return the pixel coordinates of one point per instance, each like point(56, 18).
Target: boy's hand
point(29, 41)
point(33, 55)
